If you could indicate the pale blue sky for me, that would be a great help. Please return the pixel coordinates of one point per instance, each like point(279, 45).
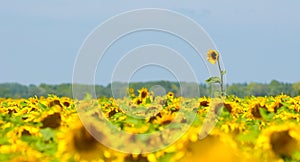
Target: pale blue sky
point(258, 40)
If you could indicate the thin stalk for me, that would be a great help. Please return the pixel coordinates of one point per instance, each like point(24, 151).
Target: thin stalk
point(221, 77)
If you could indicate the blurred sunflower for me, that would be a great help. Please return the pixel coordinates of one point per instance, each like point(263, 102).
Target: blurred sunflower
point(233, 127)
point(51, 118)
point(131, 93)
point(213, 148)
point(278, 142)
point(20, 151)
point(143, 93)
point(164, 118)
point(136, 130)
point(204, 102)
point(274, 105)
point(170, 95)
point(233, 108)
point(253, 108)
point(66, 102)
point(137, 101)
point(77, 144)
point(142, 98)
point(23, 131)
point(212, 56)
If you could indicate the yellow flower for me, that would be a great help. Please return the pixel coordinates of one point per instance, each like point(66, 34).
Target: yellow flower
point(142, 97)
point(233, 108)
point(212, 148)
point(212, 56)
point(138, 101)
point(130, 92)
point(204, 102)
point(143, 93)
point(51, 118)
point(279, 141)
point(66, 101)
point(164, 118)
point(170, 95)
point(79, 144)
point(136, 130)
point(151, 158)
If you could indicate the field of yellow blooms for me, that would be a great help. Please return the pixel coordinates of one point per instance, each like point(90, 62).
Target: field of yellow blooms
point(248, 129)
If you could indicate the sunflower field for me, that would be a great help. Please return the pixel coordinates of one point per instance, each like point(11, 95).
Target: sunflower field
point(247, 129)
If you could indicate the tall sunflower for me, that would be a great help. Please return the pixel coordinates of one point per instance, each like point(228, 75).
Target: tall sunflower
point(212, 56)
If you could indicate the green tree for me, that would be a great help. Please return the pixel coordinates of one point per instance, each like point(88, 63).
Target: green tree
point(237, 89)
point(257, 89)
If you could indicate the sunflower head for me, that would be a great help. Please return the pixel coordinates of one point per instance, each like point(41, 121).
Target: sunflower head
point(212, 56)
point(170, 95)
point(130, 92)
point(143, 93)
point(282, 143)
point(164, 118)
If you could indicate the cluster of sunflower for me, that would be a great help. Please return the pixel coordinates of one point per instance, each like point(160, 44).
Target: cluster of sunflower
point(269, 126)
point(248, 129)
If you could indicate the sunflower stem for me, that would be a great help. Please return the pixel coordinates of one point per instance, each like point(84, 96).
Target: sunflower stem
point(221, 77)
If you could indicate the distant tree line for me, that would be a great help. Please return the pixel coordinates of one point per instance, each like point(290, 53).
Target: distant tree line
point(16, 90)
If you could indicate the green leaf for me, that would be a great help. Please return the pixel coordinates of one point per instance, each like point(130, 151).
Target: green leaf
point(173, 109)
point(36, 124)
point(134, 121)
point(138, 111)
point(266, 114)
point(148, 101)
point(17, 120)
point(41, 144)
point(118, 115)
point(4, 141)
point(169, 102)
point(223, 72)
point(30, 139)
point(4, 104)
point(296, 155)
point(283, 109)
point(47, 148)
point(225, 114)
point(251, 137)
point(196, 122)
point(48, 134)
point(213, 80)
point(6, 130)
point(167, 157)
point(42, 106)
point(153, 128)
point(23, 104)
point(6, 157)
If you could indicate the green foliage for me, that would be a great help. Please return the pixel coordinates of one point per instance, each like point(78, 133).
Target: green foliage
point(213, 80)
point(268, 116)
point(48, 134)
point(223, 72)
point(15, 90)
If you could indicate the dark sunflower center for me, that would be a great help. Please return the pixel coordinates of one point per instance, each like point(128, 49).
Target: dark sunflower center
point(144, 94)
point(282, 143)
point(139, 101)
point(214, 56)
point(52, 121)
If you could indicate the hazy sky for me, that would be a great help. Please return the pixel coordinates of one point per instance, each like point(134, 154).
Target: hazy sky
point(258, 40)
